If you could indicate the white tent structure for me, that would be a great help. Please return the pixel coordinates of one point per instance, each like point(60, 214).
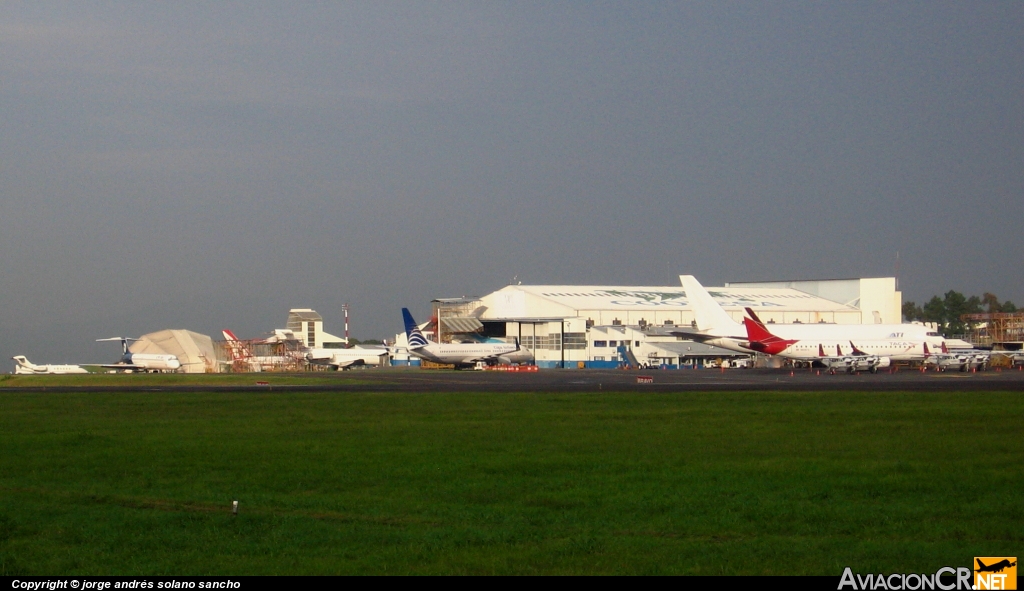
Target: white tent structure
point(195, 351)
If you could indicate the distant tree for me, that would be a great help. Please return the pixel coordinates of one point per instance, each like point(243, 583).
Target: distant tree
point(912, 312)
point(934, 310)
point(353, 341)
point(1008, 307)
point(991, 302)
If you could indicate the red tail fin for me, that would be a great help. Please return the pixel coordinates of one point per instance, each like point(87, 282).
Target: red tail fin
point(763, 340)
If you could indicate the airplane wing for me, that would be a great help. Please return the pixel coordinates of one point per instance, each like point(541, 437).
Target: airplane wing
point(700, 337)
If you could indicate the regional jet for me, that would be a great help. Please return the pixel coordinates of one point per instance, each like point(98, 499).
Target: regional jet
point(144, 362)
point(26, 367)
point(716, 327)
point(341, 359)
point(458, 354)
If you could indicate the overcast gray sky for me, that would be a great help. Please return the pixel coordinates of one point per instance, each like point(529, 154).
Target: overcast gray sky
point(210, 165)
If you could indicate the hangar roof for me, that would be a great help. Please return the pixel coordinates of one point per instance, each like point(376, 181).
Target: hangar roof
point(503, 303)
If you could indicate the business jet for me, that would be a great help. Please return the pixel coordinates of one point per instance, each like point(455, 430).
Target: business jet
point(716, 327)
point(26, 367)
point(143, 362)
point(458, 354)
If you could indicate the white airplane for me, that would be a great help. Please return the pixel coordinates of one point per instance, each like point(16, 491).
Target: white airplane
point(962, 359)
point(341, 359)
point(144, 362)
point(716, 327)
point(813, 351)
point(458, 354)
point(26, 367)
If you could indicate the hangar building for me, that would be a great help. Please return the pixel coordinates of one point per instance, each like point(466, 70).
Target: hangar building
point(195, 351)
point(599, 326)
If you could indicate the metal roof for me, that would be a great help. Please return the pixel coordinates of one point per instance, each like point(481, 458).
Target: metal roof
point(461, 324)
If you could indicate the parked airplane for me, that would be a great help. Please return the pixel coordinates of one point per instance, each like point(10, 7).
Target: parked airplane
point(458, 354)
point(340, 359)
point(962, 359)
point(26, 367)
point(716, 327)
point(813, 350)
point(144, 362)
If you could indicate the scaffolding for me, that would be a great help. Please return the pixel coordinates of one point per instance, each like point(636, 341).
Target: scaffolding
point(257, 355)
point(999, 328)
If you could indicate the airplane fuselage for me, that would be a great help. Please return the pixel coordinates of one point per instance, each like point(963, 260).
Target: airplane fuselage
point(462, 353)
point(25, 367)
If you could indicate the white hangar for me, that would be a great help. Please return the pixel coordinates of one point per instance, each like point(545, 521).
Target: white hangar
point(588, 326)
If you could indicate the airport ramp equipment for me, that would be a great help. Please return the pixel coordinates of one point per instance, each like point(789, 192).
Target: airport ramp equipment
point(627, 356)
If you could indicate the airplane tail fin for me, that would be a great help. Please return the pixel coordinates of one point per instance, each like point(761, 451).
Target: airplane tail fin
point(944, 348)
point(706, 311)
point(124, 343)
point(856, 351)
point(412, 331)
point(821, 350)
point(926, 353)
point(758, 332)
point(761, 339)
point(23, 361)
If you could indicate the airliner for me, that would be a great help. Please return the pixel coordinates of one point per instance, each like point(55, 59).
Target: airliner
point(458, 354)
point(716, 327)
point(26, 367)
point(341, 359)
point(144, 362)
point(813, 350)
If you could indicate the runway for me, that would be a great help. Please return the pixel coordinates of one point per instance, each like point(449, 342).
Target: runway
point(556, 380)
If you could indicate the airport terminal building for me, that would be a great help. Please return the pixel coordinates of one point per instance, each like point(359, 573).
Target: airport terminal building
point(575, 326)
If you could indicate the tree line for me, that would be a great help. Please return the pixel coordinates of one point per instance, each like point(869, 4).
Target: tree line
point(946, 311)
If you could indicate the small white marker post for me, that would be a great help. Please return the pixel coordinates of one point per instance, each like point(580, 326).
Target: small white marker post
point(234, 507)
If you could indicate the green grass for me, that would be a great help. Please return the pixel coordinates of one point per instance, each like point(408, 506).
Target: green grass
point(179, 379)
point(773, 483)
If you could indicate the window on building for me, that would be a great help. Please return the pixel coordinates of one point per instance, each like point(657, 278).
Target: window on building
point(600, 343)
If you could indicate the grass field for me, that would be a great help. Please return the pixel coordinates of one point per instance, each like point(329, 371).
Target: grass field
point(803, 483)
point(178, 379)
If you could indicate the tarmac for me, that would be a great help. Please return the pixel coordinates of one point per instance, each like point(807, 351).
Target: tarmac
point(593, 380)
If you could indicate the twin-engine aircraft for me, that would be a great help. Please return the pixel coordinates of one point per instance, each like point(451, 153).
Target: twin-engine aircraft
point(144, 362)
point(810, 351)
point(962, 359)
point(457, 354)
point(26, 367)
point(897, 342)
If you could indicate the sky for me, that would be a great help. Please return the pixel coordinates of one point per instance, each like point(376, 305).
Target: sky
point(208, 165)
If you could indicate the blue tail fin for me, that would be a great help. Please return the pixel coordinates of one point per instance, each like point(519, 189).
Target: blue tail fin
point(412, 332)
